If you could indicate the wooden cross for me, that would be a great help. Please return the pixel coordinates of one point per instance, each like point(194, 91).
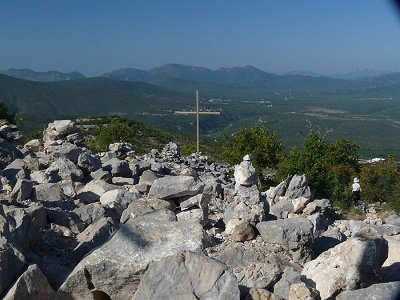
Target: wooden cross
point(198, 112)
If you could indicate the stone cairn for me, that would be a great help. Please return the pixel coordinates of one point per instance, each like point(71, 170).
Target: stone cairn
point(115, 225)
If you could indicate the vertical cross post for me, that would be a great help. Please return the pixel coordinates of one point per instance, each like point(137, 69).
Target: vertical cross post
point(197, 122)
point(198, 113)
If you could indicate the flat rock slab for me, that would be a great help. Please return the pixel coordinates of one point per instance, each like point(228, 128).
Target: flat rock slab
point(116, 268)
point(295, 235)
point(170, 187)
point(383, 291)
point(353, 264)
point(188, 275)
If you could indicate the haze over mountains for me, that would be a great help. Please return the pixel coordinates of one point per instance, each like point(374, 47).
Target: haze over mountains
point(354, 109)
point(53, 92)
point(220, 75)
point(244, 82)
point(28, 74)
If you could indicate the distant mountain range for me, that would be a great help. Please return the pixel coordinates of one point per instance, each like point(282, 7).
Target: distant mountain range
point(240, 80)
point(357, 74)
point(168, 83)
point(241, 93)
point(88, 96)
point(28, 74)
point(235, 75)
point(225, 75)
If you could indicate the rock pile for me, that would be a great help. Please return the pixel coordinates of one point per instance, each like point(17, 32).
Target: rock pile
point(75, 225)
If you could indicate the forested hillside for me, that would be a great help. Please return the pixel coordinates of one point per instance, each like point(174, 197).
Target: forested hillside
point(366, 111)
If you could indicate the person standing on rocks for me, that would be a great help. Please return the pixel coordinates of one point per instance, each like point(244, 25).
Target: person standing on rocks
point(356, 189)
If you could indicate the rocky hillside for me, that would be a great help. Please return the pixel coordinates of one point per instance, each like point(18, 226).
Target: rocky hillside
point(116, 225)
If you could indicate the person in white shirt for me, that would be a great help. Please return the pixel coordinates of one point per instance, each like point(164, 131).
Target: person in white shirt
point(356, 189)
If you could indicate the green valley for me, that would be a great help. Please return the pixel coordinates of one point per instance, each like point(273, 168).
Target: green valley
point(366, 111)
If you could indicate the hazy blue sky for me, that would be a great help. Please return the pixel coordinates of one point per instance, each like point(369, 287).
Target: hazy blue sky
point(96, 36)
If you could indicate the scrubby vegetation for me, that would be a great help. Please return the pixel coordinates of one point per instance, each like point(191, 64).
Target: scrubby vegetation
point(265, 147)
point(329, 165)
point(108, 130)
point(381, 183)
point(7, 114)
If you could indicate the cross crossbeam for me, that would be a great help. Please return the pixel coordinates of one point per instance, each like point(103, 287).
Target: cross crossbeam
point(197, 113)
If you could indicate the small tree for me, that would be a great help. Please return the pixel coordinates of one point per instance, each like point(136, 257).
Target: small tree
point(5, 113)
point(329, 166)
point(258, 141)
point(114, 132)
point(380, 182)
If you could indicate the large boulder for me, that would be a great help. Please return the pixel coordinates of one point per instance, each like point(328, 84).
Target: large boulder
point(65, 169)
point(65, 149)
point(254, 267)
point(273, 193)
point(195, 207)
point(170, 187)
point(39, 177)
point(139, 208)
point(92, 191)
point(116, 268)
point(34, 145)
point(94, 236)
point(88, 163)
point(22, 190)
point(15, 170)
point(289, 277)
point(148, 177)
point(295, 235)
point(245, 174)
point(393, 219)
point(391, 267)
point(240, 230)
point(383, 291)
point(261, 294)
point(48, 192)
point(64, 127)
point(282, 208)
point(24, 224)
point(33, 285)
point(8, 153)
point(247, 205)
point(10, 132)
point(86, 215)
point(298, 187)
point(328, 239)
point(118, 200)
point(188, 275)
point(320, 223)
point(118, 167)
point(12, 261)
point(350, 265)
point(62, 130)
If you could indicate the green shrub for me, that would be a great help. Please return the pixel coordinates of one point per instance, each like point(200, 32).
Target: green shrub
point(5, 113)
point(115, 132)
point(328, 165)
point(258, 141)
point(143, 137)
point(380, 182)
